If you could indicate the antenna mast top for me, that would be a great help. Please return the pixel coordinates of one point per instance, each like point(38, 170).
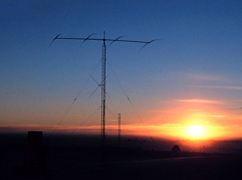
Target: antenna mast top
point(104, 36)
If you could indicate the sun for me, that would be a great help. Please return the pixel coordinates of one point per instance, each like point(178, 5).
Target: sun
point(195, 131)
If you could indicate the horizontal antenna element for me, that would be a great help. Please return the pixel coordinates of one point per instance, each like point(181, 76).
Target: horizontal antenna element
point(103, 39)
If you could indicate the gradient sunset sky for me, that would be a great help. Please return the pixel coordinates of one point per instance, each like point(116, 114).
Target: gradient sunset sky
point(191, 76)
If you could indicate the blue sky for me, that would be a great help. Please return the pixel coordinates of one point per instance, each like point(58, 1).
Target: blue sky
point(197, 58)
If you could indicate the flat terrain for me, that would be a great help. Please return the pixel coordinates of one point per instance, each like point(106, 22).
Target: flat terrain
point(225, 167)
point(82, 162)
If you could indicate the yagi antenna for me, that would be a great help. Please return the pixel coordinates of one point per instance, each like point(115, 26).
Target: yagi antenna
point(103, 72)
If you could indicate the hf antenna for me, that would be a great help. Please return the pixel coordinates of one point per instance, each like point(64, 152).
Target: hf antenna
point(119, 129)
point(103, 70)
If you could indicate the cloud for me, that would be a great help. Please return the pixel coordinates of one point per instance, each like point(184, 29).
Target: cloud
point(203, 101)
point(218, 116)
point(202, 77)
point(221, 87)
point(169, 125)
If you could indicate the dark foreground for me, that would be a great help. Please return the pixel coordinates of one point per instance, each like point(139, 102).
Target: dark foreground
point(82, 162)
point(194, 168)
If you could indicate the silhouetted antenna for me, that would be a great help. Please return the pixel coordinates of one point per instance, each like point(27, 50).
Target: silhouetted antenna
point(119, 129)
point(103, 71)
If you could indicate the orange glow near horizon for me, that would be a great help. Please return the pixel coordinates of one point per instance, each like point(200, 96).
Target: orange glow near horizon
point(169, 131)
point(175, 123)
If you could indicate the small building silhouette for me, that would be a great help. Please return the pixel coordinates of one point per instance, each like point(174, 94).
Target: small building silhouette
point(34, 155)
point(175, 150)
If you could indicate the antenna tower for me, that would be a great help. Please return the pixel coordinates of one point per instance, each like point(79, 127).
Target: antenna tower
point(103, 71)
point(119, 128)
point(103, 92)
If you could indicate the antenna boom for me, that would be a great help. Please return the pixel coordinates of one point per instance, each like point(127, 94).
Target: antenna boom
point(99, 39)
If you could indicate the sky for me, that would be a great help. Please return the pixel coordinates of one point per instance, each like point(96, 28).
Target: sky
point(190, 76)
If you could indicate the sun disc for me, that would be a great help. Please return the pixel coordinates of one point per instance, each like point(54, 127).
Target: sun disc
point(195, 131)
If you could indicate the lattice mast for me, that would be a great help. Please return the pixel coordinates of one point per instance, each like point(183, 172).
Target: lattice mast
point(103, 91)
point(103, 71)
point(119, 128)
